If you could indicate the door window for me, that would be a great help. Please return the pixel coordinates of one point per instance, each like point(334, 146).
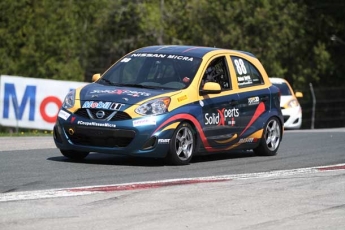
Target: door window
point(217, 71)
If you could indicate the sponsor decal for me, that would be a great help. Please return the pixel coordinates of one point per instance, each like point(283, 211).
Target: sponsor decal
point(245, 83)
point(145, 121)
point(248, 140)
point(93, 123)
point(201, 103)
point(148, 55)
point(101, 105)
point(126, 60)
point(253, 100)
point(163, 141)
point(127, 92)
point(73, 119)
point(183, 58)
point(63, 114)
point(182, 98)
point(244, 80)
point(222, 117)
point(170, 56)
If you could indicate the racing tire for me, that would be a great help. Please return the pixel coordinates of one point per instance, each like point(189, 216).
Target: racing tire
point(271, 138)
point(182, 145)
point(74, 155)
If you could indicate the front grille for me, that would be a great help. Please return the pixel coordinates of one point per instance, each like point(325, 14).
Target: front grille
point(119, 116)
point(100, 137)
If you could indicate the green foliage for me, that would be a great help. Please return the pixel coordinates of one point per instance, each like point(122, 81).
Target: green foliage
point(44, 39)
point(74, 39)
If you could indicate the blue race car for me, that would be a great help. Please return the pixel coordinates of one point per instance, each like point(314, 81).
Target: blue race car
point(173, 102)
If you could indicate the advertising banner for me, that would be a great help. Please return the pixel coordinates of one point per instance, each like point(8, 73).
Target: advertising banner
point(32, 102)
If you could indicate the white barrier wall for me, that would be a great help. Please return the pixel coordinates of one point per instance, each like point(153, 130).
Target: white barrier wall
point(32, 102)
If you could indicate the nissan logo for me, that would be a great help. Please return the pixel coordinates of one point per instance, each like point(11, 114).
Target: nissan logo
point(100, 114)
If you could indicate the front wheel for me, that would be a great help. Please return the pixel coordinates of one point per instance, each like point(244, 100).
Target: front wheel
point(182, 145)
point(271, 138)
point(74, 155)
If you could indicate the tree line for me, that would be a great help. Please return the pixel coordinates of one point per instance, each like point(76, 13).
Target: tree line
point(300, 40)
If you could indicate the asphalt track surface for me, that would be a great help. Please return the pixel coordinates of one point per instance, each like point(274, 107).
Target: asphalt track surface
point(303, 187)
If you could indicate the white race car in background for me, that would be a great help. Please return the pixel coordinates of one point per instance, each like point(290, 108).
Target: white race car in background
point(291, 109)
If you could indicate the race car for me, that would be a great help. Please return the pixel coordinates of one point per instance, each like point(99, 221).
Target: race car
point(291, 108)
point(173, 102)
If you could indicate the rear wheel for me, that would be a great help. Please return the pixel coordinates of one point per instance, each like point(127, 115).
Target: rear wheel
point(181, 145)
point(74, 155)
point(271, 138)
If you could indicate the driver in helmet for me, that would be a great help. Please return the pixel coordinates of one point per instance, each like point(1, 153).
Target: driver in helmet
point(210, 75)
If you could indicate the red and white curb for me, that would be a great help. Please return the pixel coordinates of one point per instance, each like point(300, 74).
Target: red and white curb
point(88, 190)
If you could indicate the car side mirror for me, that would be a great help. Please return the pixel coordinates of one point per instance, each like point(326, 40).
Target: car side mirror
point(95, 77)
point(299, 94)
point(210, 88)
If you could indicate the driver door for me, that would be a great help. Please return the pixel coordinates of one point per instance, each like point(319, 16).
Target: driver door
point(220, 112)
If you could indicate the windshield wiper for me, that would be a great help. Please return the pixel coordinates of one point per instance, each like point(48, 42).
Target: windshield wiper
point(137, 85)
point(107, 81)
point(131, 85)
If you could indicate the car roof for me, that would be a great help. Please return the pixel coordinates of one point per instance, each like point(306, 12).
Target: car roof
point(277, 80)
point(184, 50)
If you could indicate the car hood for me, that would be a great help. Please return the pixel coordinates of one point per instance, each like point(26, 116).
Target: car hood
point(125, 95)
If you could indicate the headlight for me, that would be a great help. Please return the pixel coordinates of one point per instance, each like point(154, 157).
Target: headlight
point(154, 107)
point(69, 100)
point(293, 103)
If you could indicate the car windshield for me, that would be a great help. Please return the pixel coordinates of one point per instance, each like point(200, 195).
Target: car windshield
point(284, 88)
point(152, 70)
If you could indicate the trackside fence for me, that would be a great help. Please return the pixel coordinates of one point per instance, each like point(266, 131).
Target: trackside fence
point(329, 107)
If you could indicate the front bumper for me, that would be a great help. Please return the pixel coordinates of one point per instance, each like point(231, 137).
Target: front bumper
point(123, 138)
point(292, 118)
